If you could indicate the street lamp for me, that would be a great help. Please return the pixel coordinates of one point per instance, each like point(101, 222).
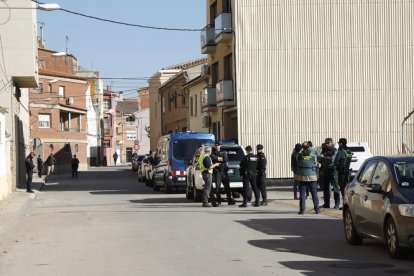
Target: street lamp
point(48, 7)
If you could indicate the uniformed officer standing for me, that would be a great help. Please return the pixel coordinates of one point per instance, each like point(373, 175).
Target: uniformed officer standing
point(248, 169)
point(261, 174)
point(220, 174)
point(342, 164)
point(329, 174)
point(206, 168)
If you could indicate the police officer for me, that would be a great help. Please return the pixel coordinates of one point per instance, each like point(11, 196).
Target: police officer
point(261, 174)
point(248, 169)
point(206, 168)
point(29, 170)
point(328, 174)
point(220, 174)
point(343, 163)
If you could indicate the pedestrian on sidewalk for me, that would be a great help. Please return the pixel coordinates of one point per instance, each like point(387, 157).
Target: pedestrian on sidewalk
point(75, 166)
point(50, 162)
point(39, 166)
point(306, 175)
point(294, 169)
point(261, 174)
point(115, 156)
point(29, 170)
point(248, 170)
point(206, 168)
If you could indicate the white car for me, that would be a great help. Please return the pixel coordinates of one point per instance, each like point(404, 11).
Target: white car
point(360, 153)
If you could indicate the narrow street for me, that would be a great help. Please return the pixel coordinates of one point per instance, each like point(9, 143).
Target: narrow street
point(106, 223)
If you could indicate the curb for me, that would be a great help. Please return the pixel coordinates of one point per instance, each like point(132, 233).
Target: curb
point(326, 212)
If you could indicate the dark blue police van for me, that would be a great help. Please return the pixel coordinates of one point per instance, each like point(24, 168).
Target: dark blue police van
point(174, 151)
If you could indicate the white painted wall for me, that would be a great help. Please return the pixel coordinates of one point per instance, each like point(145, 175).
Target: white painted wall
point(143, 120)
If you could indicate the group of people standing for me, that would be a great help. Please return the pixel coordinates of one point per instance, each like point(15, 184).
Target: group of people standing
point(214, 166)
point(50, 162)
point(331, 167)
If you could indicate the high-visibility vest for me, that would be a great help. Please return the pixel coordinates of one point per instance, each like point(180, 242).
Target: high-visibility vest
point(200, 163)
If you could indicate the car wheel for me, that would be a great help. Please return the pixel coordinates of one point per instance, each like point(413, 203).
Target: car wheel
point(188, 193)
point(351, 234)
point(154, 185)
point(167, 188)
point(392, 240)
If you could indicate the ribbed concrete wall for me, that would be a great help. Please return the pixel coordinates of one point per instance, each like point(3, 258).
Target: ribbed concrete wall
point(307, 70)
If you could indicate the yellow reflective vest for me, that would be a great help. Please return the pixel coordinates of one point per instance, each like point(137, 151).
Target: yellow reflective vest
point(200, 163)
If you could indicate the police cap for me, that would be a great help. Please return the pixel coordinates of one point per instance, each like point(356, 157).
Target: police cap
point(217, 143)
point(259, 147)
point(248, 148)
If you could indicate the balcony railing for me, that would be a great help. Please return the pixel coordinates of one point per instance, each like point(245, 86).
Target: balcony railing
point(223, 27)
point(208, 39)
point(224, 93)
point(209, 101)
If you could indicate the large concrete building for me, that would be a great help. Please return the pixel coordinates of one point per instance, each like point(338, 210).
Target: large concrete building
point(18, 43)
point(307, 70)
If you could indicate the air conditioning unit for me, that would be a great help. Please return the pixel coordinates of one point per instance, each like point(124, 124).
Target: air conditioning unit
point(206, 121)
point(205, 70)
point(69, 100)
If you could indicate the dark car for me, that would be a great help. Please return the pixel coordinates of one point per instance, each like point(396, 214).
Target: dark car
point(136, 162)
point(379, 203)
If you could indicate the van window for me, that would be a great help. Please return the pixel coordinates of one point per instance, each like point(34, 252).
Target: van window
point(356, 149)
point(235, 154)
point(184, 149)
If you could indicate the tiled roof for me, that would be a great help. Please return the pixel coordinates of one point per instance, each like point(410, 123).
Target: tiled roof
point(127, 106)
point(187, 64)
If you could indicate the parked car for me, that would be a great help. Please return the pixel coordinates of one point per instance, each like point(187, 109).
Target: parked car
point(360, 153)
point(136, 162)
point(141, 171)
point(173, 151)
point(379, 203)
point(194, 182)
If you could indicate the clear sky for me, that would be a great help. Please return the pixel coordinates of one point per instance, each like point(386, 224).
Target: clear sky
point(122, 51)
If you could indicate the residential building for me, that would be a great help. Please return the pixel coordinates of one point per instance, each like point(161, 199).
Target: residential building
point(217, 41)
point(198, 120)
point(126, 128)
point(313, 69)
point(110, 99)
point(18, 42)
point(143, 98)
point(143, 123)
point(58, 112)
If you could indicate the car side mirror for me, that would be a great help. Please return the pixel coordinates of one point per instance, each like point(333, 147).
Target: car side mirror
point(375, 188)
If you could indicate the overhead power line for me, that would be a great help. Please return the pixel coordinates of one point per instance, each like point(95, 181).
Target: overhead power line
point(125, 23)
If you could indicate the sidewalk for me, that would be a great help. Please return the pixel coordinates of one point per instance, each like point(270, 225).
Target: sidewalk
point(15, 206)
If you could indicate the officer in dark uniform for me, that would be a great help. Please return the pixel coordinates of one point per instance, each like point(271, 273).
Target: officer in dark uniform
point(261, 174)
point(342, 164)
point(248, 169)
point(328, 173)
point(220, 174)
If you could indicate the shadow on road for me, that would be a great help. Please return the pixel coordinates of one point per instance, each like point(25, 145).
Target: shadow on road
point(324, 238)
point(162, 200)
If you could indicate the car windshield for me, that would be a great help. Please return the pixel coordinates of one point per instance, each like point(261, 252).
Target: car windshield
point(405, 174)
point(184, 149)
point(235, 154)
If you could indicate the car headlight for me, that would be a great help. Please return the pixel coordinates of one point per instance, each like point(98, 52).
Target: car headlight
point(406, 210)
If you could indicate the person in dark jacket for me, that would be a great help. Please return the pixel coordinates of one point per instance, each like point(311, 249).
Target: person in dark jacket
point(261, 174)
point(294, 169)
point(248, 170)
point(115, 156)
point(329, 174)
point(29, 171)
point(306, 175)
point(220, 174)
point(39, 166)
point(75, 166)
point(50, 162)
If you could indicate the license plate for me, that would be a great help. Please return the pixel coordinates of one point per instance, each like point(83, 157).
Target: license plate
point(231, 171)
point(181, 178)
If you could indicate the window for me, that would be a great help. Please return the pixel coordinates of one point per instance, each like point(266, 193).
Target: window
point(216, 130)
point(107, 143)
point(183, 98)
point(107, 123)
point(213, 12)
point(195, 105)
point(50, 88)
point(228, 67)
point(214, 73)
point(44, 121)
point(61, 92)
point(131, 135)
point(106, 104)
point(191, 106)
point(381, 175)
point(365, 176)
point(163, 104)
point(169, 102)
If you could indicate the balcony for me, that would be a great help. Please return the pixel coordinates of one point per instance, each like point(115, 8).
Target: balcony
point(208, 40)
point(209, 101)
point(108, 132)
point(223, 28)
point(224, 93)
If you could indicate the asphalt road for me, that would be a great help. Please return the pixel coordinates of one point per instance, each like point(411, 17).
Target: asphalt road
point(106, 223)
